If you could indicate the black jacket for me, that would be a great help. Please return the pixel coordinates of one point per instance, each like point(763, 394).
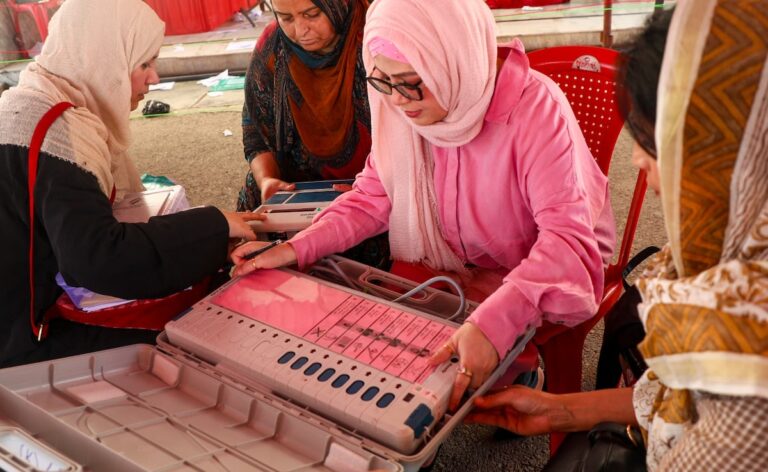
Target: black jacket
point(76, 234)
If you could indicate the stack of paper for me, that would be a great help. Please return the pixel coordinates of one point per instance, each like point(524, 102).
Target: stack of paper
point(134, 208)
point(86, 300)
point(140, 207)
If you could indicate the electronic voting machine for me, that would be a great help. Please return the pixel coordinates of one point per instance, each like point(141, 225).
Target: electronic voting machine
point(276, 370)
point(290, 211)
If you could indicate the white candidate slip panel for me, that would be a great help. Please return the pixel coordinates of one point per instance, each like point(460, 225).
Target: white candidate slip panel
point(357, 360)
point(137, 408)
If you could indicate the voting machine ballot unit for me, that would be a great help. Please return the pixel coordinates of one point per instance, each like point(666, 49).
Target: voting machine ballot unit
point(274, 371)
point(290, 211)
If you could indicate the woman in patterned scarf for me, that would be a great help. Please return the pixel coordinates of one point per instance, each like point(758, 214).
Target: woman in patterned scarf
point(703, 403)
point(705, 300)
point(306, 113)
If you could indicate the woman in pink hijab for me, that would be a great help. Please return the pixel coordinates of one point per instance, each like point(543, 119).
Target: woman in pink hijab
point(478, 169)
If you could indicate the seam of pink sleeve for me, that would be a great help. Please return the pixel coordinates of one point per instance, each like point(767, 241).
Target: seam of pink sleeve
point(502, 326)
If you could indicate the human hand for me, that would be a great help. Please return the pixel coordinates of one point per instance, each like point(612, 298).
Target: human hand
point(279, 256)
point(271, 185)
point(477, 358)
point(238, 226)
point(342, 187)
point(521, 410)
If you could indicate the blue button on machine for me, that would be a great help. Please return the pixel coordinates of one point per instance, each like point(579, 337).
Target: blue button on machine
point(286, 357)
point(385, 400)
point(370, 394)
point(327, 374)
point(299, 363)
point(340, 381)
point(355, 387)
point(313, 367)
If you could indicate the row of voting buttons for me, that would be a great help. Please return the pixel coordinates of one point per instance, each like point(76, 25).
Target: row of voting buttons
point(353, 388)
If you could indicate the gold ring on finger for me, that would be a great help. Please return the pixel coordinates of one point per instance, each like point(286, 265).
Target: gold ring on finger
point(464, 371)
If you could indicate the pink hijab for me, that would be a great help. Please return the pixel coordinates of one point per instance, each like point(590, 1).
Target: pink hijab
point(451, 44)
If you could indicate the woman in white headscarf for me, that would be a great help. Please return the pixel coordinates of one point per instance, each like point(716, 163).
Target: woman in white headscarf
point(100, 57)
point(703, 403)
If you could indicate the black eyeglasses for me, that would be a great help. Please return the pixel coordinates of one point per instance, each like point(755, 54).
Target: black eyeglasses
point(409, 91)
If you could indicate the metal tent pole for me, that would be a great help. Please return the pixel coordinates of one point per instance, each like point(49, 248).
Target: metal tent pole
point(606, 37)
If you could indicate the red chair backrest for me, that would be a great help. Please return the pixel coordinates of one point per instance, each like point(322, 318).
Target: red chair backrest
point(39, 11)
point(587, 76)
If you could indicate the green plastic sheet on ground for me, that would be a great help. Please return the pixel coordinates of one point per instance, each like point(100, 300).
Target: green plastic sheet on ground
point(155, 182)
point(230, 83)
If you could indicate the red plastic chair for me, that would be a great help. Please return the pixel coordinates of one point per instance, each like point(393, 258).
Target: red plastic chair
point(38, 11)
point(587, 76)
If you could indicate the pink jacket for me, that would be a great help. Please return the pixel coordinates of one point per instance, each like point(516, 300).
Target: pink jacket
point(524, 198)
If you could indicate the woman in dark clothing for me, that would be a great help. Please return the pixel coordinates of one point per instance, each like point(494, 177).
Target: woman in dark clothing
point(306, 113)
point(101, 60)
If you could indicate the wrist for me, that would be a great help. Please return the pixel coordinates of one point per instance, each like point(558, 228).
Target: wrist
point(561, 415)
point(587, 409)
point(260, 176)
point(290, 253)
point(263, 168)
point(261, 180)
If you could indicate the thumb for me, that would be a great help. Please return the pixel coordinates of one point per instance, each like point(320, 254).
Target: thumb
point(286, 186)
point(242, 268)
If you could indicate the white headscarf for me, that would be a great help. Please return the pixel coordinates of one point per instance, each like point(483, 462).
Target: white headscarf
point(87, 59)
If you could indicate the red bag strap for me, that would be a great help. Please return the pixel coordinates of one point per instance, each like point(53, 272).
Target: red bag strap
point(39, 329)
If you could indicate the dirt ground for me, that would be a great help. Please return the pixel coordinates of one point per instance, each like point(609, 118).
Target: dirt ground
point(193, 150)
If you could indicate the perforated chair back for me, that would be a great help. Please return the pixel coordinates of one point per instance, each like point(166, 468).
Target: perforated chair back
point(587, 76)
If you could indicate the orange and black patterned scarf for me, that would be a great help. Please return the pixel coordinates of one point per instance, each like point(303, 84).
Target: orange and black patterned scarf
point(314, 93)
point(705, 299)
